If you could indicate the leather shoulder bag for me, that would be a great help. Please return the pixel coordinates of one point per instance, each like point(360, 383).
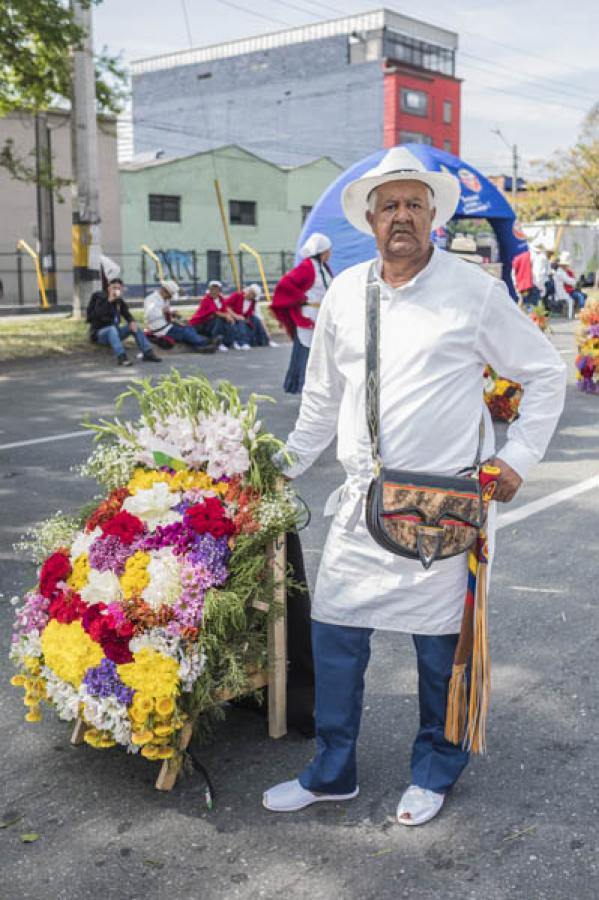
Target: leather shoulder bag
point(415, 514)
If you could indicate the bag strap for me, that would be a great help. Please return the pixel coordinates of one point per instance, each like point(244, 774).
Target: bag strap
point(373, 373)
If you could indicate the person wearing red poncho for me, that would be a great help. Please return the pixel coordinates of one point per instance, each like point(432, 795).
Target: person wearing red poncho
point(296, 302)
point(243, 306)
point(213, 319)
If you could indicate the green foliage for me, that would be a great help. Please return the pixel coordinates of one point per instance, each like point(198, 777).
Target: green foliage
point(36, 40)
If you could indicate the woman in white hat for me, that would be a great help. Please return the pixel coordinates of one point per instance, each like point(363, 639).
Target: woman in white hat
point(564, 279)
point(296, 302)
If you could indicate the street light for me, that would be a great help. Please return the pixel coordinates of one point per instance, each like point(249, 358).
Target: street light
point(514, 149)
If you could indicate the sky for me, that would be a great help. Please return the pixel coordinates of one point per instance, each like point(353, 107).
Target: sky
point(529, 67)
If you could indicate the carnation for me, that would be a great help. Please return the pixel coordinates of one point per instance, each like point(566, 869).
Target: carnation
point(154, 506)
point(165, 579)
point(102, 587)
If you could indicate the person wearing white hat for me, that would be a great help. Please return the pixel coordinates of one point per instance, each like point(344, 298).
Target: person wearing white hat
point(541, 267)
point(441, 321)
point(296, 302)
point(244, 306)
point(162, 321)
point(564, 279)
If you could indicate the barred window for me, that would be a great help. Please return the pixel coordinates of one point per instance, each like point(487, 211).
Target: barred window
point(242, 212)
point(164, 208)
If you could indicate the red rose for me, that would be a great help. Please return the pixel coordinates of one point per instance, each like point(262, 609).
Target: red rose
point(56, 568)
point(66, 607)
point(209, 517)
point(124, 526)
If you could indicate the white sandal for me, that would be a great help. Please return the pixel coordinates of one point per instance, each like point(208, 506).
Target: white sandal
point(291, 796)
point(419, 805)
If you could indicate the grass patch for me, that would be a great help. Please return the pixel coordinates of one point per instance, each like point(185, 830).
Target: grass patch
point(40, 336)
point(53, 335)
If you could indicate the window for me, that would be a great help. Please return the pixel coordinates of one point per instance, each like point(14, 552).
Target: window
point(414, 102)
point(447, 111)
point(242, 212)
point(447, 146)
point(306, 210)
point(400, 48)
point(414, 137)
point(164, 208)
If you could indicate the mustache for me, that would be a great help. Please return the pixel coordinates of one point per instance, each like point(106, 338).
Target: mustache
point(401, 229)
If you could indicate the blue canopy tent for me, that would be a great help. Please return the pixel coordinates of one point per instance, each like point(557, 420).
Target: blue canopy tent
point(479, 199)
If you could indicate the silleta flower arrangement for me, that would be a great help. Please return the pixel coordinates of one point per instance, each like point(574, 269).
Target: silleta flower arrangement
point(144, 608)
point(502, 396)
point(587, 338)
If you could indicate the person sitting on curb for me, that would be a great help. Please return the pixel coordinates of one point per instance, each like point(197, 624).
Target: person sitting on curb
point(104, 312)
point(243, 306)
point(161, 320)
point(214, 319)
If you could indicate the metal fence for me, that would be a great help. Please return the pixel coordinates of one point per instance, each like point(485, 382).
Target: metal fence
point(191, 269)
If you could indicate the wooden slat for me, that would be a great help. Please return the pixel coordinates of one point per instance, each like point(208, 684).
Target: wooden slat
point(277, 644)
point(78, 732)
point(170, 768)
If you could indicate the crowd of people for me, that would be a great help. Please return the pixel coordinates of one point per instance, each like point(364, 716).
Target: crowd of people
point(219, 324)
point(541, 278)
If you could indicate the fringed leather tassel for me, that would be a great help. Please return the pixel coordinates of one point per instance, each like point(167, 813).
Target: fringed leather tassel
point(478, 706)
point(457, 705)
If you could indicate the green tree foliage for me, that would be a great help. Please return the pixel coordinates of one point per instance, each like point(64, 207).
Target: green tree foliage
point(36, 41)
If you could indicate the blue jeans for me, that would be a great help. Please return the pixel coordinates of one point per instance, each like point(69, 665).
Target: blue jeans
point(185, 334)
point(114, 336)
point(579, 298)
point(229, 332)
point(258, 335)
point(341, 656)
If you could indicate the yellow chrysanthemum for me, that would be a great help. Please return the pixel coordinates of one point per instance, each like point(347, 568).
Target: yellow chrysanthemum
point(18, 680)
point(165, 752)
point(80, 574)
point(135, 577)
point(221, 488)
point(34, 715)
point(32, 664)
point(151, 673)
point(139, 738)
point(162, 731)
point(150, 752)
point(143, 703)
point(165, 707)
point(143, 480)
point(69, 651)
point(186, 480)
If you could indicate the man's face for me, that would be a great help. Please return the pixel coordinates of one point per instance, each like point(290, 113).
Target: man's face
point(402, 219)
point(214, 291)
point(115, 292)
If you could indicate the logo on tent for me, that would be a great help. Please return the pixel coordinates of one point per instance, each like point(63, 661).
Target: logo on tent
point(469, 180)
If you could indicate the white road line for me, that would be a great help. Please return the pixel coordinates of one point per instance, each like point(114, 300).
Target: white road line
point(536, 590)
point(46, 440)
point(529, 509)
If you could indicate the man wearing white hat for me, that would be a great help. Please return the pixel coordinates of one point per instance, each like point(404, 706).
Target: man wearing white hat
point(162, 321)
point(441, 321)
point(565, 281)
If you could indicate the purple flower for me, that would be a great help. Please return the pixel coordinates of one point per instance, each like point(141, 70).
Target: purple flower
point(177, 535)
point(109, 554)
point(209, 556)
point(103, 681)
point(31, 616)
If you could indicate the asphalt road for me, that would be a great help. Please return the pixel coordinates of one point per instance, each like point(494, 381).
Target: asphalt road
point(522, 823)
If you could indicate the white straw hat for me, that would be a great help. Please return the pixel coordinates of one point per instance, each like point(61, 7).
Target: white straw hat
point(565, 258)
point(317, 243)
point(256, 289)
point(399, 164)
point(172, 287)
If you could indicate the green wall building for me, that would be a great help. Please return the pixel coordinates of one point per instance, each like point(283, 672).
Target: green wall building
point(171, 206)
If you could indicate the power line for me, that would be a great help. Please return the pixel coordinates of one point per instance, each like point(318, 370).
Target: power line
point(251, 12)
point(186, 18)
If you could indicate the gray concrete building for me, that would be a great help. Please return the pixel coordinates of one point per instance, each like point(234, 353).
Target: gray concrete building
point(342, 88)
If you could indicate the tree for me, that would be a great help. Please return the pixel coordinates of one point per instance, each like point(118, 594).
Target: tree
point(37, 38)
point(570, 186)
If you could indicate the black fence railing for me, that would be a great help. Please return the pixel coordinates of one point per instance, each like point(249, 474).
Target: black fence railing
point(191, 269)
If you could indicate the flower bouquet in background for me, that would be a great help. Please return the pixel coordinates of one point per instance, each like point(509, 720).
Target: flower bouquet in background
point(147, 605)
point(540, 317)
point(587, 339)
point(502, 396)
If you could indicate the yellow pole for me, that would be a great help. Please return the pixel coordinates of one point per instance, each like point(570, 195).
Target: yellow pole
point(23, 245)
point(223, 217)
point(145, 249)
point(258, 259)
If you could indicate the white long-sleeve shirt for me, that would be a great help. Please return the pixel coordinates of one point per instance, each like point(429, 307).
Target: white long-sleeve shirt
point(155, 307)
point(562, 278)
point(437, 334)
point(541, 269)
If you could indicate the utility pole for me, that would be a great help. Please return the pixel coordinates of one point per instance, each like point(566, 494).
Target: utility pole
point(86, 232)
point(45, 205)
point(514, 149)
